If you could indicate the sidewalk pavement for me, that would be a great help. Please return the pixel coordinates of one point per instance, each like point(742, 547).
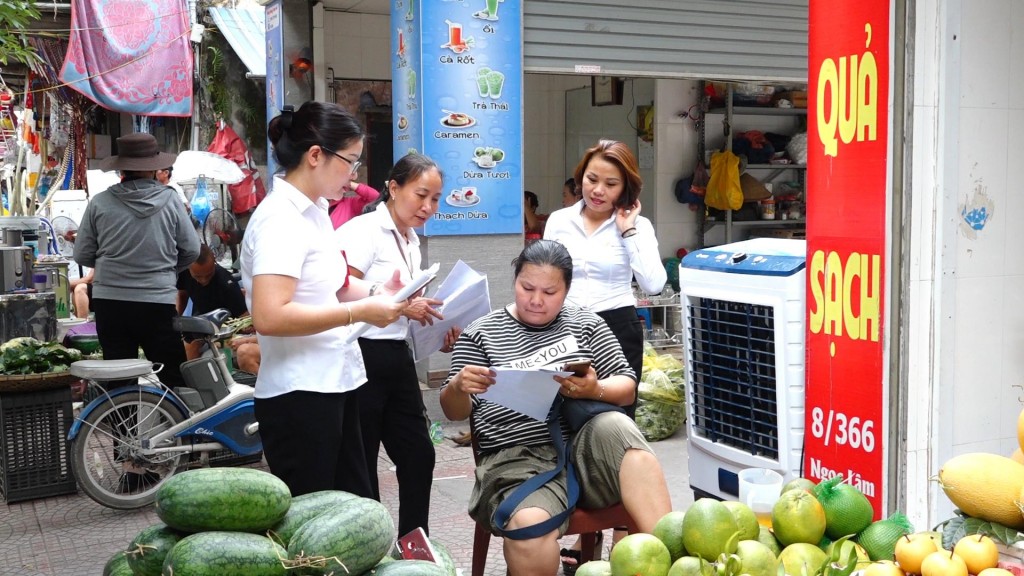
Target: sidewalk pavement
point(74, 536)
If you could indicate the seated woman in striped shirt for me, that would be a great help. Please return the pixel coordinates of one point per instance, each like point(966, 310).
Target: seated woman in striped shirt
point(613, 461)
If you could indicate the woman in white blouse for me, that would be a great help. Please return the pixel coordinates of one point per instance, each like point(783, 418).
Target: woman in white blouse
point(391, 408)
point(610, 243)
point(302, 300)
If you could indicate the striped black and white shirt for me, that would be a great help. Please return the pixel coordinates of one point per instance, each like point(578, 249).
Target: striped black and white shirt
point(499, 340)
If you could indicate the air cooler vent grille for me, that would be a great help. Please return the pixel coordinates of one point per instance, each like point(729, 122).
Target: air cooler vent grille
point(732, 374)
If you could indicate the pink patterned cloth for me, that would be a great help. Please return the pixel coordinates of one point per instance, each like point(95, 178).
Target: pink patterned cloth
point(131, 56)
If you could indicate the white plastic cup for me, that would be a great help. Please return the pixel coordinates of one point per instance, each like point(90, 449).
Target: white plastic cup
point(759, 490)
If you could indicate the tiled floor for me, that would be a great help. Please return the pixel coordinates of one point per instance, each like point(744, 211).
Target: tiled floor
point(72, 535)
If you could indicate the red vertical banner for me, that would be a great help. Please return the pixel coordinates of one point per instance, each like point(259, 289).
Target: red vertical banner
point(847, 183)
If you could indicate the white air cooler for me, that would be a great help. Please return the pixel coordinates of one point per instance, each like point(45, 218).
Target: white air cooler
point(743, 307)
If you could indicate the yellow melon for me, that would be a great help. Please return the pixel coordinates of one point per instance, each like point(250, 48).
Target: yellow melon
point(985, 486)
point(1020, 430)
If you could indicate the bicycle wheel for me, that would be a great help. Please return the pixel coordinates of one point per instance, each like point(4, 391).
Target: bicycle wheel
point(107, 455)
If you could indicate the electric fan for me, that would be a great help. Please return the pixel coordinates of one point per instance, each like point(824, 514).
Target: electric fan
point(65, 229)
point(221, 233)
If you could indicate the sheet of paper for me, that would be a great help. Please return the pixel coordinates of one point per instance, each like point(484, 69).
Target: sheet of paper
point(421, 279)
point(466, 298)
point(528, 392)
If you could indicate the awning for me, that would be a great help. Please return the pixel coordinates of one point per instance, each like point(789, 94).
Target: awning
point(245, 30)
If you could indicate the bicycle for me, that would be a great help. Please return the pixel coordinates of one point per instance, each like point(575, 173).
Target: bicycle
point(128, 440)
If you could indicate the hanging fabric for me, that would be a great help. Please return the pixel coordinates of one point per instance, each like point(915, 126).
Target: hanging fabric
point(131, 57)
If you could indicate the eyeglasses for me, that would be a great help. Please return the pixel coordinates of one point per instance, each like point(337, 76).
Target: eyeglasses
point(354, 163)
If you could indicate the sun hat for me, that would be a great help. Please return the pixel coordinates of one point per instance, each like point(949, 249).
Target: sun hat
point(138, 152)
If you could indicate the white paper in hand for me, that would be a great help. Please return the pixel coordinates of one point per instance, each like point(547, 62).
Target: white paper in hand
point(466, 298)
point(421, 279)
point(529, 392)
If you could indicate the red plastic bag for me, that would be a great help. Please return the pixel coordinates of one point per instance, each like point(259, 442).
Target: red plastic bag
point(246, 194)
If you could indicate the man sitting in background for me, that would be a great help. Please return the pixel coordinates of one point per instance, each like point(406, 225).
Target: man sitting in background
point(210, 287)
point(81, 293)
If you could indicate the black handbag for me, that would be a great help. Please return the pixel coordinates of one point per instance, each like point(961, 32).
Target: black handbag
point(579, 412)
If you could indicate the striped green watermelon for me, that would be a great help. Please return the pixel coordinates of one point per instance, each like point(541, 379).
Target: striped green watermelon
point(225, 554)
point(117, 565)
point(306, 507)
point(356, 534)
point(228, 499)
point(444, 557)
point(408, 568)
point(148, 550)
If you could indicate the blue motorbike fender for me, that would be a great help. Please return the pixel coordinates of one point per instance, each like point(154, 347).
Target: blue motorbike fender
point(120, 392)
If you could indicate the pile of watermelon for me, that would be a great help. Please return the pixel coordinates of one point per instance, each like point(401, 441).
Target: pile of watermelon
point(244, 522)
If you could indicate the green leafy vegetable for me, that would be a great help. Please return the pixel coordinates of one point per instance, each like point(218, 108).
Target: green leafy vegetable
point(962, 525)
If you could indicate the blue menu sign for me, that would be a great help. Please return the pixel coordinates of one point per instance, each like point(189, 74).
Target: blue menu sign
point(275, 75)
point(457, 86)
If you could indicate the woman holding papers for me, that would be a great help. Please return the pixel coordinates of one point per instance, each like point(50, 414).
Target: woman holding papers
point(614, 462)
point(390, 403)
point(302, 299)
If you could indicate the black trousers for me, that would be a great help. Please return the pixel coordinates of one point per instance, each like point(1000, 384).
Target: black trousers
point(122, 327)
point(392, 413)
point(312, 441)
point(629, 330)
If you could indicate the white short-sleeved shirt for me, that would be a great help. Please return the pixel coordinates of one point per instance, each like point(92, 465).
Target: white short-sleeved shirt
point(374, 246)
point(604, 263)
point(289, 235)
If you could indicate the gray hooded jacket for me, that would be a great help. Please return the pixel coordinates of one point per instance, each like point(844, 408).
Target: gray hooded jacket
point(137, 236)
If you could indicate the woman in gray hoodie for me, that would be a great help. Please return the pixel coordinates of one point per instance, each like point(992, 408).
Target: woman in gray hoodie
point(137, 236)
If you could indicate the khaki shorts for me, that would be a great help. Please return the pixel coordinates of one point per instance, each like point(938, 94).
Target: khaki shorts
point(597, 453)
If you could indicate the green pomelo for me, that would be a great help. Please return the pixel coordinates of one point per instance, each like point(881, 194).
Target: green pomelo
point(847, 510)
point(801, 558)
point(879, 539)
point(640, 554)
point(756, 558)
point(689, 566)
point(799, 484)
point(595, 568)
point(766, 537)
point(798, 517)
point(745, 519)
point(670, 531)
point(709, 530)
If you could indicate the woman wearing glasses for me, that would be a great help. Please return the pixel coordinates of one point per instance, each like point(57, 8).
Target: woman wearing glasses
point(302, 300)
point(390, 403)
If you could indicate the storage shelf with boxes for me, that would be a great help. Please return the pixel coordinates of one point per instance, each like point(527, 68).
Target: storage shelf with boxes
point(765, 126)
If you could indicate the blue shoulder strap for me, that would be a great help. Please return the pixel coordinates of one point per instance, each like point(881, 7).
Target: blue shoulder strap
point(503, 513)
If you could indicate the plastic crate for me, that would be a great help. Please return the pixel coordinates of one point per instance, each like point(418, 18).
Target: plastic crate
point(33, 444)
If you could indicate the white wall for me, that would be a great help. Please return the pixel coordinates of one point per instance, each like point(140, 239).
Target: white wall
point(357, 46)
point(966, 318)
point(675, 145)
point(544, 136)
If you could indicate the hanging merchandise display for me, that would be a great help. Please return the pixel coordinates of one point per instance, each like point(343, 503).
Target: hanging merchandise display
point(245, 195)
